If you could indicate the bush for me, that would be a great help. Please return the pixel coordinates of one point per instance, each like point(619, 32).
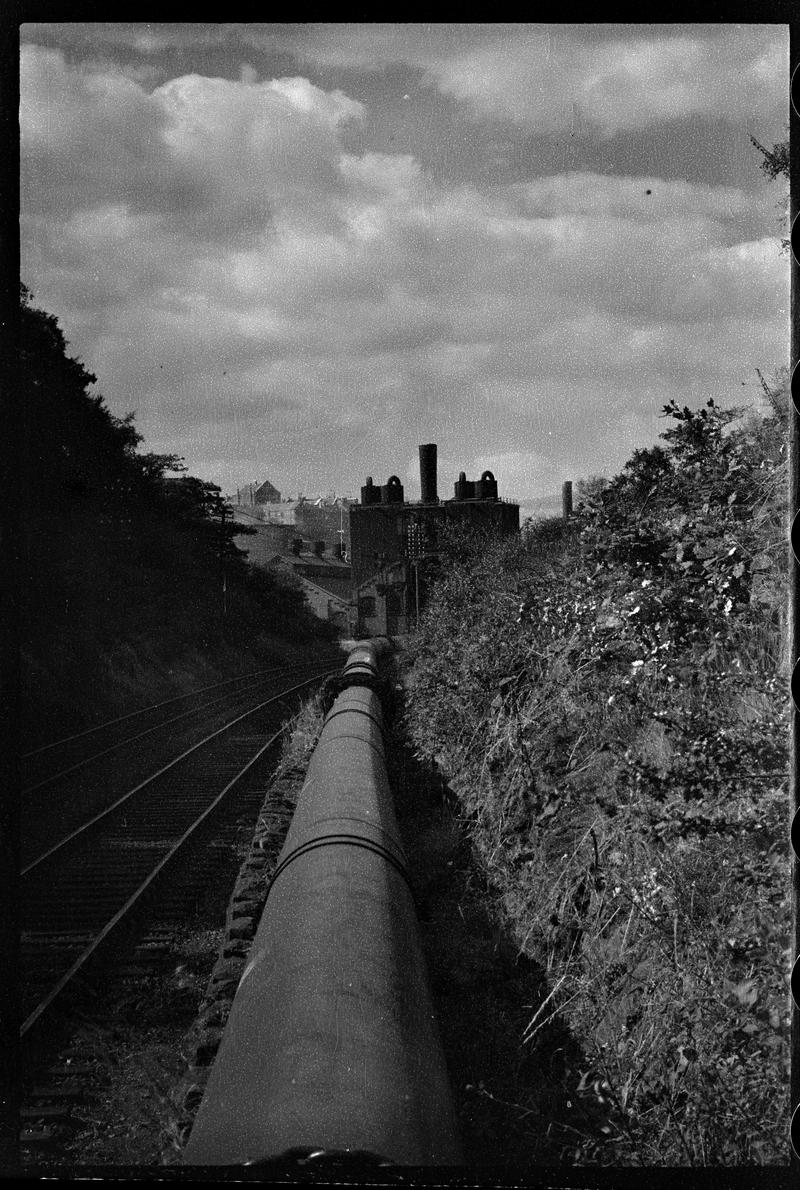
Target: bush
point(606, 700)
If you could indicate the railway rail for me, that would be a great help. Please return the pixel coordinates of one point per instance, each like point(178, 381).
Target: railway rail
point(47, 764)
point(83, 890)
point(87, 773)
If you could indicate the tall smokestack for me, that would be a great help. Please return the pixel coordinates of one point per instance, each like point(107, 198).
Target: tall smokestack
point(427, 473)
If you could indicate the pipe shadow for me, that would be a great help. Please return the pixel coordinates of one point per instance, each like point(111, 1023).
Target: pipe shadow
point(516, 1101)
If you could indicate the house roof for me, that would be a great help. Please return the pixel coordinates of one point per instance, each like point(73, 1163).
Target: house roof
point(337, 588)
point(313, 563)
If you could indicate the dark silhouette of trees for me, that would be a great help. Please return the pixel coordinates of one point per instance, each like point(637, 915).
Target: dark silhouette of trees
point(76, 453)
point(121, 553)
point(71, 445)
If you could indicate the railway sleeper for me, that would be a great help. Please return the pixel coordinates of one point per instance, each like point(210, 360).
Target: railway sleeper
point(70, 1069)
point(40, 940)
point(58, 1092)
point(131, 973)
point(55, 1114)
point(39, 1138)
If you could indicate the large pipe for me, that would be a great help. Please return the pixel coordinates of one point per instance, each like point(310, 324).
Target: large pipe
point(427, 473)
point(331, 1042)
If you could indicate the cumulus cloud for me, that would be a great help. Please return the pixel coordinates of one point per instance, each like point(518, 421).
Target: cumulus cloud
point(620, 83)
point(193, 146)
point(220, 254)
point(549, 77)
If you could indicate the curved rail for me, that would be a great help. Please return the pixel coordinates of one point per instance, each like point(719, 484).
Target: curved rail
point(150, 846)
point(331, 1043)
point(234, 687)
point(154, 706)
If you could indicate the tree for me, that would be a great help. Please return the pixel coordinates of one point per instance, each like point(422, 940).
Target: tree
point(775, 164)
point(591, 487)
point(776, 159)
point(76, 453)
point(72, 446)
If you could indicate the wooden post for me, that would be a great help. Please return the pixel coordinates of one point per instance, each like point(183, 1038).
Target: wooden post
point(223, 511)
point(566, 499)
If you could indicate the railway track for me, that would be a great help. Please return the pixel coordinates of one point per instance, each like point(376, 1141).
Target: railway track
point(81, 893)
point(46, 764)
point(67, 782)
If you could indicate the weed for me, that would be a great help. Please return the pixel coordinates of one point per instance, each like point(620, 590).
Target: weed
point(610, 708)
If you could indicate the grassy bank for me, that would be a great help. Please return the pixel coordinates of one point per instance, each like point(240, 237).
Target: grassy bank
point(608, 701)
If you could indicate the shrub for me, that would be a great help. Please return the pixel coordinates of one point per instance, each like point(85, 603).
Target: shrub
point(605, 699)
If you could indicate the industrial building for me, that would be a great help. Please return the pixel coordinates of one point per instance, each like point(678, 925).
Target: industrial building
point(366, 566)
point(391, 539)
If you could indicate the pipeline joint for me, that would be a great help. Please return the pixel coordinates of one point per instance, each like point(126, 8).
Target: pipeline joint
point(312, 1164)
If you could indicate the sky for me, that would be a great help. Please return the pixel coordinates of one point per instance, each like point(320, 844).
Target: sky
point(299, 251)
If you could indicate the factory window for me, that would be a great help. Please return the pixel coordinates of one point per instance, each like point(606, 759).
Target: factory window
point(366, 605)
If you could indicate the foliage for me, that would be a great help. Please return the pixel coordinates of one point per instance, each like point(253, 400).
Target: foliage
point(775, 164)
point(76, 451)
point(590, 488)
point(605, 697)
point(71, 443)
point(123, 556)
point(776, 159)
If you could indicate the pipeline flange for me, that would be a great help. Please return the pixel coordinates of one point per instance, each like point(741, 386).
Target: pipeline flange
point(360, 677)
point(344, 1161)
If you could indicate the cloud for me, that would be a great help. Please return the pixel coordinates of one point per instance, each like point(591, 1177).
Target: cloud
point(523, 472)
point(194, 151)
point(620, 84)
point(552, 78)
point(545, 78)
point(220, 255)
